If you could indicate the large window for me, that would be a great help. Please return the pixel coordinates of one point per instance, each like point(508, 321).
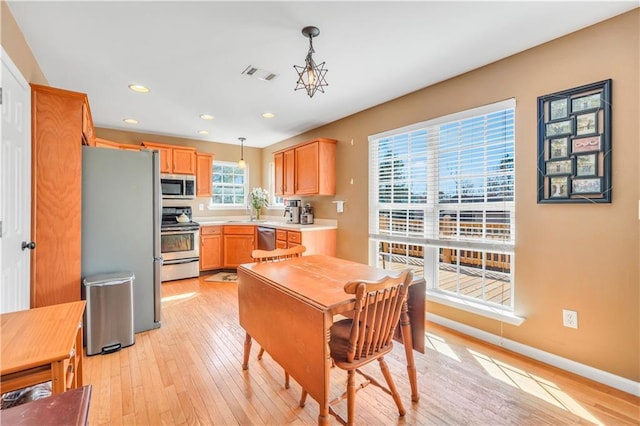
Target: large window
point(442, 203)
point(229, 185)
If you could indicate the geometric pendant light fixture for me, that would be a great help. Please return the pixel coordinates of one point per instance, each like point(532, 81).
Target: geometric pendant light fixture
point(311, 76)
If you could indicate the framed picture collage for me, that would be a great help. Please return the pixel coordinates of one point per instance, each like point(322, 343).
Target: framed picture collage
point(574, 145)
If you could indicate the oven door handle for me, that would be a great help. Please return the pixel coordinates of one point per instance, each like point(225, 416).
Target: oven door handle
point(180, 261)
point(176, 231)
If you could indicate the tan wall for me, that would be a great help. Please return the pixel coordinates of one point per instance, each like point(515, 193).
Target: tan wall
point(582, 257)
point(221, 152)
point(14, 44)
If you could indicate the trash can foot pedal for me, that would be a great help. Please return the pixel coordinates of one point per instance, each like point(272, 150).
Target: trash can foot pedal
point(111, 348)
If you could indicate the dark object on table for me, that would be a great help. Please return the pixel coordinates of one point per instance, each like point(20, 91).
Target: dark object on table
point(66, 408)
point(21, 396)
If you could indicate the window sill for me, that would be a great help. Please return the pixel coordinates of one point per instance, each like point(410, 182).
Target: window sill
point(223, 207)
point(475, 308)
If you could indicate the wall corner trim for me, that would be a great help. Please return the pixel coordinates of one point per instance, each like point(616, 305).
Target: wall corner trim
point(600, 376)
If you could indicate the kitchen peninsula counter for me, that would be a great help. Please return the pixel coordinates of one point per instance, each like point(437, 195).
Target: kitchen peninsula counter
point(318, 225)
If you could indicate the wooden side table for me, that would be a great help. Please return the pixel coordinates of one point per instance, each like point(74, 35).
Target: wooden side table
point(42, 344)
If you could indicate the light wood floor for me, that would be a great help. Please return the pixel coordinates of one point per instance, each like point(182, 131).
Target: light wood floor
point(189, 372)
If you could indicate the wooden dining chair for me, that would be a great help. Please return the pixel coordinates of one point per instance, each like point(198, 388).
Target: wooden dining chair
point(276, 256)
point(367, 336)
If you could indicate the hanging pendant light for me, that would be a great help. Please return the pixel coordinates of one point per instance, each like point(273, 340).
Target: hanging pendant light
point(241, 163)
point(311, 76)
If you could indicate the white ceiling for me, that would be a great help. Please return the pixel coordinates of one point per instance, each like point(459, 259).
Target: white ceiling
point(192, 54)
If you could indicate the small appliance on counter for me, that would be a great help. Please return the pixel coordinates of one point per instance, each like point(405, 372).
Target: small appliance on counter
point(292, 211)
point(306, 217)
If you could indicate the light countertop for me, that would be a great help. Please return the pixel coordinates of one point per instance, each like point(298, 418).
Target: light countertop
point(269, 222)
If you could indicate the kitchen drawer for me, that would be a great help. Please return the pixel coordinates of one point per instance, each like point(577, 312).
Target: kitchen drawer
point(294, 237)
point(211, 230)
point(239, 229)
point(281, 235)
point(281, 244)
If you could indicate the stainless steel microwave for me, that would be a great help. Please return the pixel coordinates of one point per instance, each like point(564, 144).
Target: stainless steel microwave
point(178, 186)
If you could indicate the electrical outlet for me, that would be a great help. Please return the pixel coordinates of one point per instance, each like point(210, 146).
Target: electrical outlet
point(201, 206)
point(569, 318)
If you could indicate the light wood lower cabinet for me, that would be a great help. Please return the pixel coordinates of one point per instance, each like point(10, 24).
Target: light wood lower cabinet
point(238, 242)
point(231, 245)
point(316, 242)
point(210, 248)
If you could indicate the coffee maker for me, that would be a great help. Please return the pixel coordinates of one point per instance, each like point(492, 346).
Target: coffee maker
point(292, 211)
point(306, 217)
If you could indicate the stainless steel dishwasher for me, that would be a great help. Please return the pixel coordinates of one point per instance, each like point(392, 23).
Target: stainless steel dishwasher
point(266, 238)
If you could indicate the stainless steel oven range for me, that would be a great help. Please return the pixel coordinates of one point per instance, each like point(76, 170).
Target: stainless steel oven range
point(179, 244)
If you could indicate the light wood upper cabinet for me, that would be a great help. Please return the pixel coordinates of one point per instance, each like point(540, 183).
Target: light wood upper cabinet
point(56, 217)
point(278, 165)
point(284, 162)
point(175, 158)
point(203, 175)
point(184, 161)
point(88, 131)
point(307, 169)
point(289, 172)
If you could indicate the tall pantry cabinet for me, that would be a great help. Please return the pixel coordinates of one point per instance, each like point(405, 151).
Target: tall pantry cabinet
point(60, 123)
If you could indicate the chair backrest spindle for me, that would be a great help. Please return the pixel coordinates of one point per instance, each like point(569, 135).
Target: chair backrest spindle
point(277, 254)
point(376, 313)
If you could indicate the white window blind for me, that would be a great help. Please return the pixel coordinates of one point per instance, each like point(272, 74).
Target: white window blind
point(442, 201)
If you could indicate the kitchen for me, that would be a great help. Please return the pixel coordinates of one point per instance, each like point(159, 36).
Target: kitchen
point(544, 289)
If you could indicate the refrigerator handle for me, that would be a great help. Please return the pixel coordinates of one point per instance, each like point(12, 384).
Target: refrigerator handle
point(157, 282)
point(157, 218)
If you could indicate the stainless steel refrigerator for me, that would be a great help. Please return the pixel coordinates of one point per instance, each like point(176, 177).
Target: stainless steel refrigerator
point(121, 209)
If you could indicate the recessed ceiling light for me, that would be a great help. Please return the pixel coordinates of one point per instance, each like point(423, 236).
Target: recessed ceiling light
point(139, 88)
point(268, 115)
point(203, 132)
point(207, 116)
point(130, 121)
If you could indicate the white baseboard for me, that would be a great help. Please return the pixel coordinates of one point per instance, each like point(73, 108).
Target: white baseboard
point(583, 370)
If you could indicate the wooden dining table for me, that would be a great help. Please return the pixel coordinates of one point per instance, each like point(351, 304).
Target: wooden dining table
point(42, 344)
point(289, 306)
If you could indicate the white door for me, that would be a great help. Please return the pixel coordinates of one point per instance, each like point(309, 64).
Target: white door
point(15, 189)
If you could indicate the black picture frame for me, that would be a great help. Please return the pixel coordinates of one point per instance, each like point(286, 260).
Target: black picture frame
point(558, 108)
point(578, 170)
point(587, 124)
point(559, 148)
point(559, 167)
point(557, 128)
point(583, 145)
point(586, 103)
point(587, 165)
point(586, 186)
point(559, 187)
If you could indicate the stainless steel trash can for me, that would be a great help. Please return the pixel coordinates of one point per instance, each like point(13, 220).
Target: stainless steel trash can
point(109, 312)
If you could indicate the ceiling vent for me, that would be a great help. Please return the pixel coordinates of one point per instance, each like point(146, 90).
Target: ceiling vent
point(254, 72)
